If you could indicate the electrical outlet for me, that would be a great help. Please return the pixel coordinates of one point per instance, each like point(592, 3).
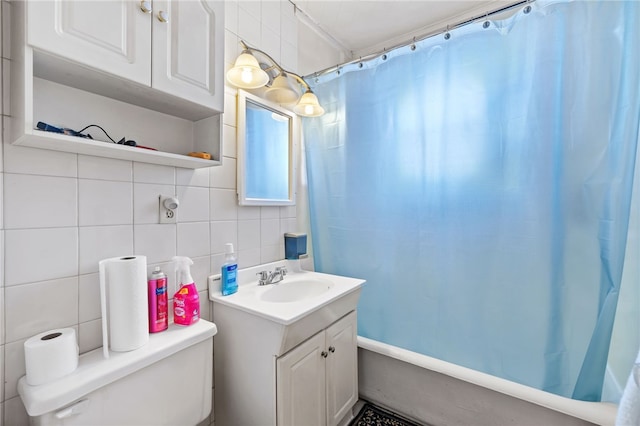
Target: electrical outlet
point(166, 214)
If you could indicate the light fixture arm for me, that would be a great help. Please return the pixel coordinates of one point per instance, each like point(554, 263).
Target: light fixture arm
point(300, 80)
point(248, 73)
point(275, 65)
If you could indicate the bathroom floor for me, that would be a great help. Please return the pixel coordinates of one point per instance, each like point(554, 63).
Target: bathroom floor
point(372, 415)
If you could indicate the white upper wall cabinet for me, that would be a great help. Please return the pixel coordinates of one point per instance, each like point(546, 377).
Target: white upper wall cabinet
point(125, 65)
point(171, 46)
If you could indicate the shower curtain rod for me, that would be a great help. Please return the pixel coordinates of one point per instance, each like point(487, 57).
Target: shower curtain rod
point(417, 39)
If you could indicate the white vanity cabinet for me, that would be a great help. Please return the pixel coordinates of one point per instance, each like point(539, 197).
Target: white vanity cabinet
point(317, 382)
point(269, 373)
point(151, 70)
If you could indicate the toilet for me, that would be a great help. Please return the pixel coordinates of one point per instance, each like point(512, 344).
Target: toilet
point(168, 381)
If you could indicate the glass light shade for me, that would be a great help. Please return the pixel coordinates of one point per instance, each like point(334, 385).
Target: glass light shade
point(308, 105)
point(281, 91)
point(246, 72)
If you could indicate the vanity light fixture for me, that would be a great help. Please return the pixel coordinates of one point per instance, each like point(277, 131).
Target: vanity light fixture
point(248, 73)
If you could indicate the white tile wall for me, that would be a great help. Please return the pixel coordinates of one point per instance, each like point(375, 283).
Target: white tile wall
point(65, 212)
point(270, 232)
point(229, 141)
point(152, 173)
point(105, 202)
point(225, 175)
point(88, 297)
point(103, 242)
point(223, 232)
point(90, 167)
point(248, 26)
point(193, 239)
point(197, 177)
point(1, 375)
point(271, 18)
point(157, 242)
point(248, 234)
point(224, 204)
point(194, 204)
point(90, 335)
point(53, 304)
point(18, 159)
point(33, 255)
point(40, 201)
point(14, 357)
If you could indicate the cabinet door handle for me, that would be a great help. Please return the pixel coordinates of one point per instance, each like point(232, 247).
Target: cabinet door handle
point(332, 349)
point(163, 16)
point(145, 6)
point(324, 354)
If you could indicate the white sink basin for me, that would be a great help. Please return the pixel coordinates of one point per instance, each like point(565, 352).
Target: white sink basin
point(299, 294)
point(288, 291)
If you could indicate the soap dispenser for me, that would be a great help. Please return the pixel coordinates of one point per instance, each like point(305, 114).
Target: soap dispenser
point(229, 272)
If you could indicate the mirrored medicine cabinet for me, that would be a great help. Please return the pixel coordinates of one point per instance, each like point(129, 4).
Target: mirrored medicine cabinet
point(267, 134)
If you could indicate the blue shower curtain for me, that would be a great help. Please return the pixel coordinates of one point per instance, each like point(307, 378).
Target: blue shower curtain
point(481, 184)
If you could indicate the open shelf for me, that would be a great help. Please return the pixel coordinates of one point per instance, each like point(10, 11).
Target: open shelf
point(59, 142)
point(64, 93)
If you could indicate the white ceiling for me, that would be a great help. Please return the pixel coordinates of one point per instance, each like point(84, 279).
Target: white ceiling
point(361, 27)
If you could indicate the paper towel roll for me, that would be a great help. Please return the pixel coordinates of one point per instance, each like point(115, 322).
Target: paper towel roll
point(50, 355)
point(123, 290)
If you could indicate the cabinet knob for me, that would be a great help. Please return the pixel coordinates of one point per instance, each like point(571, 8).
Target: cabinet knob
point(324, 354)
point(332, 349)
point(145, 6)
point(163, 16)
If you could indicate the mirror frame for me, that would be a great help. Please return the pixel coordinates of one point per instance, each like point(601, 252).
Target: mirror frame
point(243, 98)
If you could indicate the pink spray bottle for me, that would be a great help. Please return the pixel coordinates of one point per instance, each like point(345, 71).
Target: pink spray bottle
point(186, 302)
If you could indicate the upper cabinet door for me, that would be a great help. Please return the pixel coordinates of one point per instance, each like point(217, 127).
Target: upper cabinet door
point(188, 43)
point(109, 35)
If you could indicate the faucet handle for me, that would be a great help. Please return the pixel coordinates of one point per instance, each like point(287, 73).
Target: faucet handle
point(264, 276)
point(282, 270)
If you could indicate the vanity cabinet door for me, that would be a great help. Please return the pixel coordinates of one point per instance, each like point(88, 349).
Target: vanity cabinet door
point(109, 35)
point(317, 382)
point(341, 368)
point(188, 56)
point(301, 384)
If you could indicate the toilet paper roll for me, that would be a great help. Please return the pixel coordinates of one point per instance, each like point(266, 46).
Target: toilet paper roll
point(50, 355)
point(123, 290)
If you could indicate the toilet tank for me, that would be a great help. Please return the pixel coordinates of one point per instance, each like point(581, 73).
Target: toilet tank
point(166, 382)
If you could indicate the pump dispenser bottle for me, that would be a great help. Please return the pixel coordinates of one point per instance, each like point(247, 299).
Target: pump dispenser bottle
point(229, 273)
point(186, 302)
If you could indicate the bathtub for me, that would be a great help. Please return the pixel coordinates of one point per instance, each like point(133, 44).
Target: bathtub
point(439, 393)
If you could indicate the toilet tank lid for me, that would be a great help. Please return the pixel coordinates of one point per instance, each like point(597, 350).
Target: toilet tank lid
point(94, 371)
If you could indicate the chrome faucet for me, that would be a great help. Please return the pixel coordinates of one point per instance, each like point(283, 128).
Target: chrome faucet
point(272, 277)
